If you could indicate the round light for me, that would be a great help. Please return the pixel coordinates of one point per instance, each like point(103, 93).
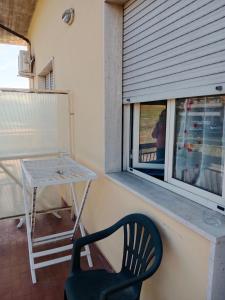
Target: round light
point(68, 16)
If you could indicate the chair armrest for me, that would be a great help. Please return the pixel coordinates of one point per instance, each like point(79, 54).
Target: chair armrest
point(81, 242)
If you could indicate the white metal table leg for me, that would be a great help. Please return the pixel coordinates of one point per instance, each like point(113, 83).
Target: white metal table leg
point(57, 215)
point(28, 226)
point(33, 211)
point(43, 173)
point(81, 206)
point(78, 213)
point(21, 222)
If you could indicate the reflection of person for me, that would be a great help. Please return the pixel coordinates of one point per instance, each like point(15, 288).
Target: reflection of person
point(159, 133)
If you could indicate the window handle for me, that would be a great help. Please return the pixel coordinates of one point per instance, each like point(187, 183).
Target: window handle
point(219, 88)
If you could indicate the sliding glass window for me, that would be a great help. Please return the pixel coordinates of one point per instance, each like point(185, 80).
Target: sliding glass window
point(199, 142)
point(149, 138)
point(180, 142)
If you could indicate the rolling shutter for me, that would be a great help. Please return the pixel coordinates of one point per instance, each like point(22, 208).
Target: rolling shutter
point(49, 81)
point(173, 48)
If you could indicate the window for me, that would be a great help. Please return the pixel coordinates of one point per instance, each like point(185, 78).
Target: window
point(46, 77)
point(199, 142)
point(49, 81)
point(175, 57)
point(149, 138)
point(180, 142)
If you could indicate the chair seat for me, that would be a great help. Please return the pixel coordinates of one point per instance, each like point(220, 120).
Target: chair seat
point(88, 285)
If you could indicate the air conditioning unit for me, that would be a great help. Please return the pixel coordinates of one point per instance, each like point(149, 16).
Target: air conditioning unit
point(25, 64)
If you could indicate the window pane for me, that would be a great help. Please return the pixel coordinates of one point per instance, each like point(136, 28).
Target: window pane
point(199, 142)
point(152, 133)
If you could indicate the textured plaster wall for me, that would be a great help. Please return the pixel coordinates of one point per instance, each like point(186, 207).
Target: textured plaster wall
point(78, 52)
point(183, 274)
point(78, 64)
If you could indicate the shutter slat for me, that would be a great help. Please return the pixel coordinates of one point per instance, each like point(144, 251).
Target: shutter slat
point(172, 88)
point(178, 46)
point(149, 11)
point(132, 7)
point(177, 56)
point(179, 36)
point(153, 15)
point(178, 68)
point(178, 21)
point(47, 81)
point(184, 50)
point(52, 80)
point(178, 76)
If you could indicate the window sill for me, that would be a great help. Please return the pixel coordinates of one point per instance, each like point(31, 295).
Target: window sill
point(191, 214)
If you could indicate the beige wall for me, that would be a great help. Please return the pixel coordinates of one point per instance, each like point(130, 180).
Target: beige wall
point(78, 53)
point(183, 274)
point(79, 67)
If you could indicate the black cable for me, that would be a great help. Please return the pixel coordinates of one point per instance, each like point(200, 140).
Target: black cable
point(15, 33)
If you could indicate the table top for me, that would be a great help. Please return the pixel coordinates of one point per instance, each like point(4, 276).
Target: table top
point(54, 171)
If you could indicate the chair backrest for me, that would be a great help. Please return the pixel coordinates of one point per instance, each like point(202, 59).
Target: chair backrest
point(142, 246)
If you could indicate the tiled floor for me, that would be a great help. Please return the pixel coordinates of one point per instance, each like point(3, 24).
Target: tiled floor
point(15, 279)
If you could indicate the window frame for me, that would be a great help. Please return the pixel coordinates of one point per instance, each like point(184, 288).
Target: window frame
point(196, 194)
point(49, 80)
point(46, 78)
point(136, 138)
point(118, 110)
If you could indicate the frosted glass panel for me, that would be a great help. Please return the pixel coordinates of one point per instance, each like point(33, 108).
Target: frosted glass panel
point(32, 123)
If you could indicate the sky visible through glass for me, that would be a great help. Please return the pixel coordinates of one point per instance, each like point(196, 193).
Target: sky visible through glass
point(9, 67)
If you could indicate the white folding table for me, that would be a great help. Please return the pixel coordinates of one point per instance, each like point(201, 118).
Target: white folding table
point(41, 173)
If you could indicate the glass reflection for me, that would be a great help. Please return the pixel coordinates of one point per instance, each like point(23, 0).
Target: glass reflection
point(199, 142)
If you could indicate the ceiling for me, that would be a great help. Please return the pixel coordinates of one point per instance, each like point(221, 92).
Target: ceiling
point(16, 15)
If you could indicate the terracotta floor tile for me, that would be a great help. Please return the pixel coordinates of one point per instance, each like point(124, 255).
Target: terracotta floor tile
point(15, 278)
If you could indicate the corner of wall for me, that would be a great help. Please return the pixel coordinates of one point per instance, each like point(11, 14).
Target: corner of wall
point(113, 28)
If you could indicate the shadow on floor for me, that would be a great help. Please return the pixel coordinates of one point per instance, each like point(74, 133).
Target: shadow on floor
point(15, 279)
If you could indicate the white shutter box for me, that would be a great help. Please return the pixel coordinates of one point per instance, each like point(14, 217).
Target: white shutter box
point(173, 49)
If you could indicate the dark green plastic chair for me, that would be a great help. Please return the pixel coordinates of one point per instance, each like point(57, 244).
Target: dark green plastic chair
point(142, 256)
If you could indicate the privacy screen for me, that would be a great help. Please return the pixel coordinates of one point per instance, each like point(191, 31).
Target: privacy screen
point(33, 124)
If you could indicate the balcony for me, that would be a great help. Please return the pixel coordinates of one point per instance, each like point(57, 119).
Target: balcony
point(14, 263)
point(33, 124)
